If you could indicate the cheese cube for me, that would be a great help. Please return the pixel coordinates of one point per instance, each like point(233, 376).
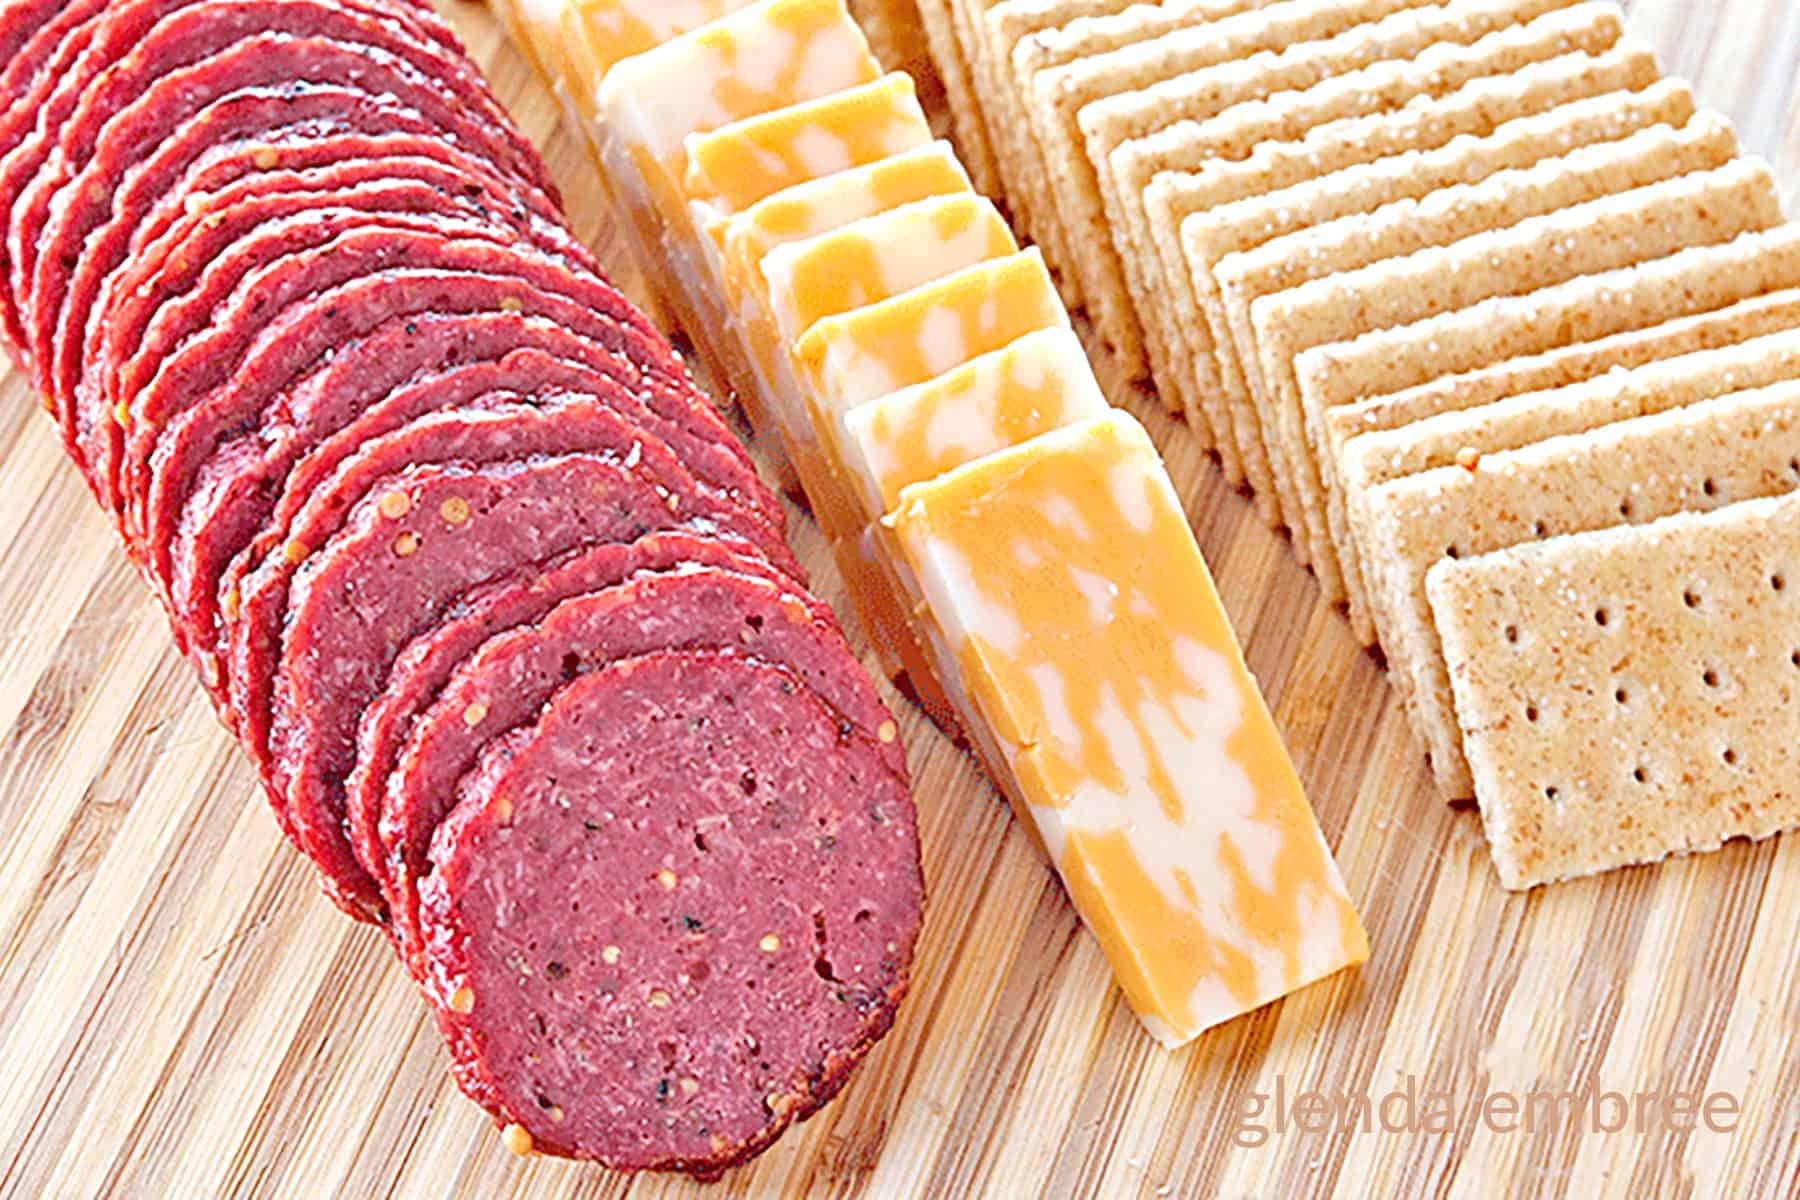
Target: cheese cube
point(880, 257)
point(1037, 384)
point(732, 168)
point(1090, 640)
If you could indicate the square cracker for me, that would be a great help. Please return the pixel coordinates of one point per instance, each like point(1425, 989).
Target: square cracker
point(999, 31)
point(1384, 416)
point(1198, 217)
point(1024, 37)
point(1738, 447)
point(1235, 135)
point(950, 54)
point(1120, 131)
point(1765, 357)
point(1625, 202)
point(1671, 755)
point(1060, 94)
point(1700, 280)
point(1480, 149)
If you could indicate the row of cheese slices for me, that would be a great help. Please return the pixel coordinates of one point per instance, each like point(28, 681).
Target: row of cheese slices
point(1014, 546)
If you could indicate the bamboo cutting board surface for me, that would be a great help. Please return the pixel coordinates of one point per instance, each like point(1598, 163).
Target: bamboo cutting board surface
point(183, 1014)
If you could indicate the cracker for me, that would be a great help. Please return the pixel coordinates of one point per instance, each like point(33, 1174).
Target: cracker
point(1025, 37)
point(951, 57)
point(1125, 134)
point(1464, 438)
point(1625, 203)
point(1738, 447)
point(1349, 167)
point(1547, 322)
point(1671, 754)
point(999, 30)
point(1059, 96)
point(1198, 217)
point(1735, 321)
point(1382, 89)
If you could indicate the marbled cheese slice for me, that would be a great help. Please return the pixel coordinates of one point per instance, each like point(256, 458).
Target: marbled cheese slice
point(1090, 640)
point(807, 210)
point(768, 56)
point(864, 354)
point(731, 168)
point(1037, 384)
point(880, 257)
point(597, 35)
point(800, 212)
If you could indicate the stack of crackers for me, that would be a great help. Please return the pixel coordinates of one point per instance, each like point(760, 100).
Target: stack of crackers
point(1497, 323)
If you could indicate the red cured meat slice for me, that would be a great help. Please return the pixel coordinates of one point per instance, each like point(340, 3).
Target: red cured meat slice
point(253, 618)
point(423, 667)
point(524, 372)
point(101, 45)
point(148, 304)
point(297, 312)
point(389, 378)
point(383, 580)
point(703, 963)
point(88, 204)
point(213, 269)
point(260, 129)
point(25, 122)
point(515, 673)
point(393, 376)
point(18, 22)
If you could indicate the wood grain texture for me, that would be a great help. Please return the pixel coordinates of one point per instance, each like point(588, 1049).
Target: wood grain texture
point(183, 1014)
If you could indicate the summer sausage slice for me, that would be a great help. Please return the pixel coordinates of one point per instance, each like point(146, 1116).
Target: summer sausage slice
point(312, 220)
point(520, 598)
point(106, 197)
point(96, 82)
point(508, 429)
point(292, 314)
point(261, 129)
point(151, 303)
point(667, 920)
point(509, 679)
point(399, 373)
point(208, 536)
point(26, 125)
point(384, 579)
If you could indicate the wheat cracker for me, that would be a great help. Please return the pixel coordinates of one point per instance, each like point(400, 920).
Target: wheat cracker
point(1630, 758)
point(1736, 447)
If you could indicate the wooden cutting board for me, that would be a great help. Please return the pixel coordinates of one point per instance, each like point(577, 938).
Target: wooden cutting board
point(183, 1014)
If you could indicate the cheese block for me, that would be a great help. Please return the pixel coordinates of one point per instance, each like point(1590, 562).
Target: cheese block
point(731, 168)
point(831, 202)
point(759, 59)
point(879, 257)
point(1038, 383)
point(1091, 642)
point(596, 35)
point(800, 212)
point(863, 355)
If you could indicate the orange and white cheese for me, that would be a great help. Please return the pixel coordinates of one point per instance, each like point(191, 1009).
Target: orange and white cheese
point(1091, 642)
point(597, 35)
point(864, 354)
point(768, 56)
point(804, 211)
point(1039, 383)
point(880, 257)
point(732, 168)
point(809, 209)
